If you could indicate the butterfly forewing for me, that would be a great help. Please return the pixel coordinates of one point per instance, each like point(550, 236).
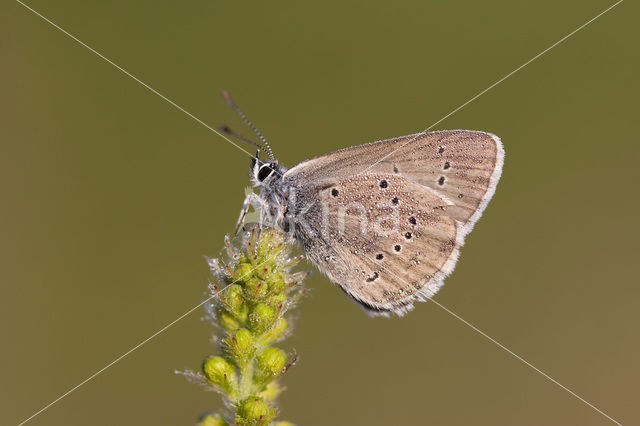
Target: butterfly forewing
point(461, 165)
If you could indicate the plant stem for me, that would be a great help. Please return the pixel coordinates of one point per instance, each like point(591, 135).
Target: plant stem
point(246, 380)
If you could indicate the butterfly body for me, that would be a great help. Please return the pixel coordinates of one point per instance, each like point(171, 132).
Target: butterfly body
point(385, 220)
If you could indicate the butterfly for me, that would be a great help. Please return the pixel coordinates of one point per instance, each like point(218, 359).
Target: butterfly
point(384, 221)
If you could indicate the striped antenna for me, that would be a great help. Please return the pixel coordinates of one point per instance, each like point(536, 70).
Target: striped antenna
point(232, 104)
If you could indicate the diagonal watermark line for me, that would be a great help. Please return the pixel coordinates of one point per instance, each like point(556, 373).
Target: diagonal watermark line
point(145, 85)
point(133, 349)
point(495, 84)
point(124, 355)
point(503, 347)
point(524, 361)
point(524, 65)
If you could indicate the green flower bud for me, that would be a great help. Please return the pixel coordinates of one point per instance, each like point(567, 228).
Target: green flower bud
point(276, 281)
point(208, 419)
point(233, 298)
point(220, 372)
point(254, 411)
point(264, 271)
point(284, 424)
point(243, 272)
point(270, 363)
point(275, 332)
point(268, 243)
point(277, 300)
point(262, 317)
point(243, 313)
point(255, 289)
point(241, 346)
point(227, 320)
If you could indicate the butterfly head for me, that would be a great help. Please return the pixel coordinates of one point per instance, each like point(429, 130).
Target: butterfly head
point(263, 173)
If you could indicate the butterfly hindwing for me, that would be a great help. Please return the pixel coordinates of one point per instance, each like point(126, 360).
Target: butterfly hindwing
point(386, 240)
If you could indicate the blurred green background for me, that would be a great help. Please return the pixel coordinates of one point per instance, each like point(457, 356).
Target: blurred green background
point(110, 197)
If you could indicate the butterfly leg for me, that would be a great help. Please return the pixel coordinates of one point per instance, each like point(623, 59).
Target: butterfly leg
point(251, 199)
point(243, 213)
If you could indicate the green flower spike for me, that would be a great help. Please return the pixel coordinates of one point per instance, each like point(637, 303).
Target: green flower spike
point(253, 292)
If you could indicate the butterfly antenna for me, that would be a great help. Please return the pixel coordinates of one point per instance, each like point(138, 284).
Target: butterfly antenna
point(232, 104)
point(227, 130)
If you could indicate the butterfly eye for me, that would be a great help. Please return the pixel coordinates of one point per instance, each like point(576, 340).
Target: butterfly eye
point(264, 172)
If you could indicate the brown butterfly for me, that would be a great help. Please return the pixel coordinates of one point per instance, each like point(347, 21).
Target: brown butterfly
point(385, 220)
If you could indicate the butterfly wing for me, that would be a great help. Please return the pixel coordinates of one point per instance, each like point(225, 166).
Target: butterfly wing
point(421, 193)
point(385, 246)
point(462, 165)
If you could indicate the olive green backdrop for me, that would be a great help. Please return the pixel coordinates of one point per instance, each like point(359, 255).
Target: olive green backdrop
point(110, 196)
